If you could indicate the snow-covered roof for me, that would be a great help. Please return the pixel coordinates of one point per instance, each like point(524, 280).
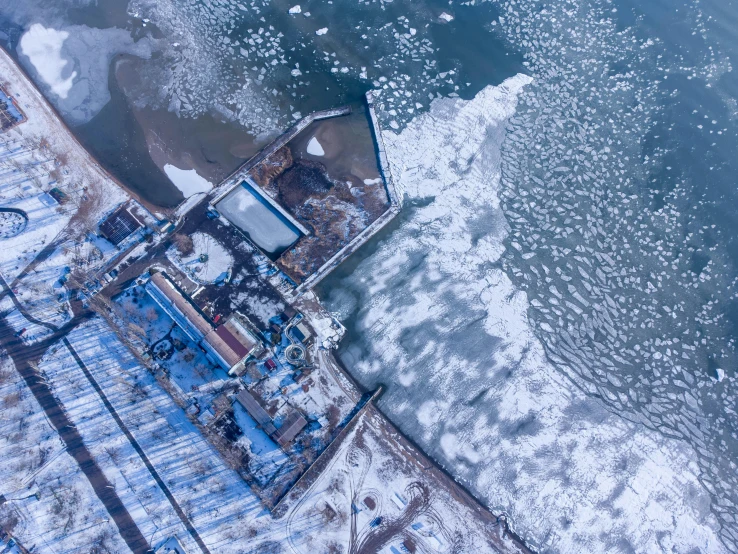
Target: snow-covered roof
point(178, 307)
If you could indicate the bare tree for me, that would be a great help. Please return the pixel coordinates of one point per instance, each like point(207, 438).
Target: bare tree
point(183, 243)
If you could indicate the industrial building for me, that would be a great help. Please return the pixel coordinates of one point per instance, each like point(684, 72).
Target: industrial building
point(119, 225)
point(292, 425)
point(230, 345)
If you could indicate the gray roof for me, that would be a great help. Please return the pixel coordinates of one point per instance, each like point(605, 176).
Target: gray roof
point(290, 428)
point(255, 410)
point(166, 287)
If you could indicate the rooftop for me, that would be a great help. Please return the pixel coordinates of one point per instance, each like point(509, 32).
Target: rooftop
point(119, 225)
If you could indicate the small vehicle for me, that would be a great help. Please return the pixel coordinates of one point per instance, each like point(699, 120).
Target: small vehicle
point(19, 333)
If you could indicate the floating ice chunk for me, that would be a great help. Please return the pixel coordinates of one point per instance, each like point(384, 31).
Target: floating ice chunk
point(373, 181)
point(322, 31)
point(295, 9)
point(187, 180)
point(314, 148)
point(448, 18)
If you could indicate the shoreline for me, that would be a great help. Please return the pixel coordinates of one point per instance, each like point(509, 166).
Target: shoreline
point(432, 464)
point(388, 428)
point(31, 84)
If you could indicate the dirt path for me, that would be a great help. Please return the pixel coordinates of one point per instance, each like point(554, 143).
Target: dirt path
point(154, 474)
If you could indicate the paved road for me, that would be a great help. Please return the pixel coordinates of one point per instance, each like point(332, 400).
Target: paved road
point(7, 290)
point(23, 356)
point(137, 447)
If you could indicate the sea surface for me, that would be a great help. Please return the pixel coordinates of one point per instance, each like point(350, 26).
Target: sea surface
point(554, 312)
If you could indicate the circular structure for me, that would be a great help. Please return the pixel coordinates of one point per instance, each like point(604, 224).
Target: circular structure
point(12, 222)
point(295, 354)
point(163, 349)
point(207, 262)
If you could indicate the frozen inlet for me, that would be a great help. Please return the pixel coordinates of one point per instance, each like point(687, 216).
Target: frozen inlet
point(266, 223)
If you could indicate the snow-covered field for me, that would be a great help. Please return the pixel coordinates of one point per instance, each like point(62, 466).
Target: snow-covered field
point(438, 320)
point(48, 502)
point(23, 166)
point(36, 157)
point(395, 502)
point(218, 502)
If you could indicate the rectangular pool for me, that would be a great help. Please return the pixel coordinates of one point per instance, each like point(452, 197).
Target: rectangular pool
point(263, 223)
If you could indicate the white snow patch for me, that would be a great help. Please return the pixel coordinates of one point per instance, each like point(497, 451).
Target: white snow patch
point(72, 64)
point(42, 47)
point(314, 148)
point(209, 261)
point(187, 180)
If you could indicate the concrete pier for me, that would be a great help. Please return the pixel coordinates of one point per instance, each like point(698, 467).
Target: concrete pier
point(233, 180)
point(361, 239)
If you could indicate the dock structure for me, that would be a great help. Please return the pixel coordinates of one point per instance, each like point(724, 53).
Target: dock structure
point(241, 175)
point(394, 208)
point(235, 178)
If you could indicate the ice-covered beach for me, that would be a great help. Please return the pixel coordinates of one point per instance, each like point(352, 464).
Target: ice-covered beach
point(436, 318)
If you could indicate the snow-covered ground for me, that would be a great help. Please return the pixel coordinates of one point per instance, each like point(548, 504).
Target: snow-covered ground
point(436, 318)
point(217, 501)
point(208, 262)
point(36, 157)
point(22, 168)
point(29, 332)
point(48, 502)
point(395, 500)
